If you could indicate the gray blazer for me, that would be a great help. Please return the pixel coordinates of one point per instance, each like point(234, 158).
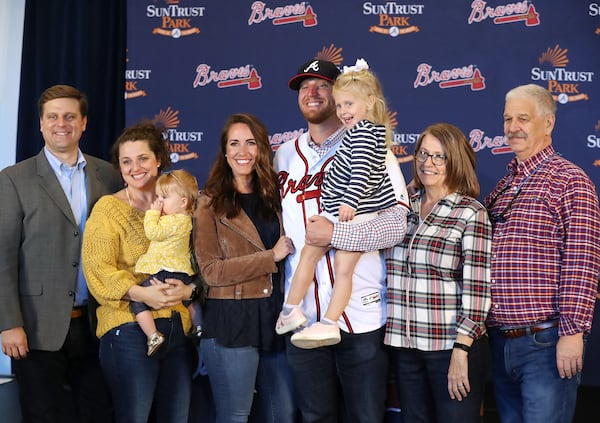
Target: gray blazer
point(40, 247)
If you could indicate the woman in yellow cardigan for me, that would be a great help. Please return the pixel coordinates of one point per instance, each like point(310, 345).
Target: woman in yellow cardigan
point(113, 240)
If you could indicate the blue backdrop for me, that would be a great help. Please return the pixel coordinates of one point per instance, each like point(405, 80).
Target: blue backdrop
point(192, 63)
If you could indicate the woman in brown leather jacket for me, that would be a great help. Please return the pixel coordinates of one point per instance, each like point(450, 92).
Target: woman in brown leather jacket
point(240, 246)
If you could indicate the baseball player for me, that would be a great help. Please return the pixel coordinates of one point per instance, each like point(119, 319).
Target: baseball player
point(301, 165)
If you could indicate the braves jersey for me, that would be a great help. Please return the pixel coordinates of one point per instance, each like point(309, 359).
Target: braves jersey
point(301, 172)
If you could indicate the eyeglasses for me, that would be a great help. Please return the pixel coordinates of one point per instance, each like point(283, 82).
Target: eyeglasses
point(436, 159)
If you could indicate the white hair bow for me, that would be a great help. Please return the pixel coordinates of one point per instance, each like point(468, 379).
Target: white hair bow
point(361, 64)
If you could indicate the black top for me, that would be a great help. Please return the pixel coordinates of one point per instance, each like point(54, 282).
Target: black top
point(249, 322)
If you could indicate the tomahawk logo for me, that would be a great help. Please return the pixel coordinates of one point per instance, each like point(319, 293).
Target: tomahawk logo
point(283, 15)
point(450, 78)
point(243, 75)
point(503, 14)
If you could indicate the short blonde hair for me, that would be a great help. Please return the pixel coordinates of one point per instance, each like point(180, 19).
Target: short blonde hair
point(181, 182)
point(365, 85)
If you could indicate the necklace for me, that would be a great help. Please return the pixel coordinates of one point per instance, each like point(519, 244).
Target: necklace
point(425, 210)
point(128, 197)
point(144, 204)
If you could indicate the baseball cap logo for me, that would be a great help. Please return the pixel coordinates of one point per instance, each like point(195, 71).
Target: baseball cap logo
point(314, 66)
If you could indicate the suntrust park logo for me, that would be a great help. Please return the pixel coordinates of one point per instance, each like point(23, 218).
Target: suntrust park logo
point(564, 84)
point(175, 21)
point(225, 78)
point(594, 10)
point(393, 18)
point(467, 75)
point(132, 76)
point(593, 141)
point(400, 141)
point(179, 141)
point(522, 12)
point(282, 15)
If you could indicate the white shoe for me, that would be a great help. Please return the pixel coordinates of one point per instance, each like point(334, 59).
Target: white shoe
point(288, 322)
point(317, 335)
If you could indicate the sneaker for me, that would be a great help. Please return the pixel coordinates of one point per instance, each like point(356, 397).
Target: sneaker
point(317, 335)
point(288, 322)
point(154, 342)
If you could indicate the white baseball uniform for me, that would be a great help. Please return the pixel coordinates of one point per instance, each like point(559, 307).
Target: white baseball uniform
point(301, 171)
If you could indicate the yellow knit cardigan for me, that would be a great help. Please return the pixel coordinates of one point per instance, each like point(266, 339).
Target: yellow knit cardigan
point(113, 240)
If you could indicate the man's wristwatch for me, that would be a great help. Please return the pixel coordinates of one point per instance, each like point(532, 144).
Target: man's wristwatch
point(194, 292)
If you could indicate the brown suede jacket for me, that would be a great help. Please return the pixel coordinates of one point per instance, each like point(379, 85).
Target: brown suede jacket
point(231, 256)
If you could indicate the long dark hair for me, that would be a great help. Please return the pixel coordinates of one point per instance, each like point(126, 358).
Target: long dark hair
point(220, 185)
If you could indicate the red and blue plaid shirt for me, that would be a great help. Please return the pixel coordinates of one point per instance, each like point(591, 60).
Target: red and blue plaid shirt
point(546, 244)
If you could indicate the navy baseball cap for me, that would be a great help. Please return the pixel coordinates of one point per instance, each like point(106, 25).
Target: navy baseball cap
point(314, 68)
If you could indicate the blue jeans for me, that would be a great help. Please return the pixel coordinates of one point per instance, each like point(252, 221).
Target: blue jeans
point(422, 381)
point(235, 374)
point(136, 380)
point(358, 364)
point(527, 387)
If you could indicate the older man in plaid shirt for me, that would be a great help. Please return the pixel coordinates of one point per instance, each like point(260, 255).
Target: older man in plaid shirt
point(545, 264)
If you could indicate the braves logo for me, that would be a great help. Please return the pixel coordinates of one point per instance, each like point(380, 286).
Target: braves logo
point(282, 15)
point(309, 187)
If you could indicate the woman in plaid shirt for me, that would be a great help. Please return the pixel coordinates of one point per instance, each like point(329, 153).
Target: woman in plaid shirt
point(439, 285)
point(438, 281)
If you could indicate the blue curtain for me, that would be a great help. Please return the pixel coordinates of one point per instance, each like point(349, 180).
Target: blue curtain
point(80, 43)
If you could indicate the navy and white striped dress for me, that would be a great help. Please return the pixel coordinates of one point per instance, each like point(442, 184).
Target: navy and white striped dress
point(358, 176)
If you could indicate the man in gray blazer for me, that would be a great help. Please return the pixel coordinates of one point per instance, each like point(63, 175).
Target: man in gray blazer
point(44, 318)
